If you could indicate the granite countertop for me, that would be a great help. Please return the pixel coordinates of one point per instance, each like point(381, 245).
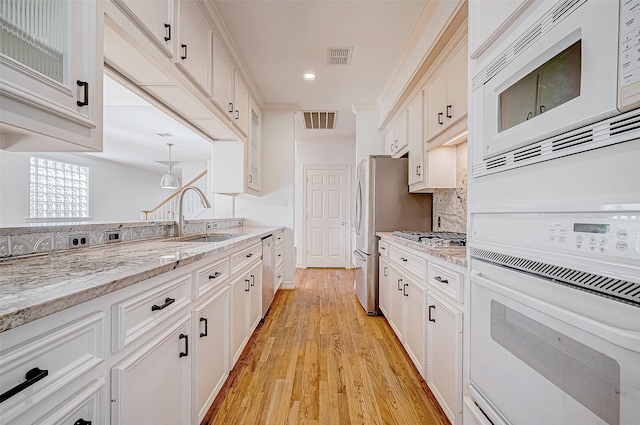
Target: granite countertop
point(454, 255)
point(35, 286)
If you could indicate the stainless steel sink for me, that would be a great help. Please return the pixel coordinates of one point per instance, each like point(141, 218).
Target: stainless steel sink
point(213, 238)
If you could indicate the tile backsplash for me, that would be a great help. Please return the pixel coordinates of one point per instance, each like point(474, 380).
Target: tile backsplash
point(41, 238)
point(451, 204)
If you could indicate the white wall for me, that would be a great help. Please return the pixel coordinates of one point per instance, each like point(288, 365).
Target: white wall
point(118, 192)
point(275, 205)
point(329, 152)
point(369, 141)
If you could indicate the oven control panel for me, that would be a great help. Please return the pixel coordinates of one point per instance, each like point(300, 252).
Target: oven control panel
point(589, 234)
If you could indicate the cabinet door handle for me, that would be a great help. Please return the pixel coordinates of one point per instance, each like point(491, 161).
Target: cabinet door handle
point(249, 255)
point(167, 303)
point(430, 318)
point(449, 111)
point(418, 169)
point(206, 327)
point(404, 259)
point(85, 101)
point(168, 36)
point(440, 114)
point(186, 345)
point(82, 422)
point(441, 280)
point(216, 274)
point(279, 276)
point(32, 376)
point(399, 282)
point(237, 114)
point(253, 280)
point(230, 107)
point(385, 272)
point(404, 287)
point(250, 178)
point(529, 116)
point(396, 143)
point(247, 281)
point(184, 48)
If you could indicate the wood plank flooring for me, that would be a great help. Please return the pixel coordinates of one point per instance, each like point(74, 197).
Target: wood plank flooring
point(319, 359)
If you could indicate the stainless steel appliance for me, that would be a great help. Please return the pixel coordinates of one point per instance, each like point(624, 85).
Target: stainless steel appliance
point(434, 239)
point(267, 273)
point(555, 308)
point(383, 204)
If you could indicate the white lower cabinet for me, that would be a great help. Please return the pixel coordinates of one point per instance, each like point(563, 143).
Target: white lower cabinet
point(246, 308)
point(396, 302)
point(444, 346)
point(383, 286)
point(211, 350)
point(153, 384)
point(83, 408)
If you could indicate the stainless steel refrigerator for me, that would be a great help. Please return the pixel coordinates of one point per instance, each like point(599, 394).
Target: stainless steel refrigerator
point(383, 204)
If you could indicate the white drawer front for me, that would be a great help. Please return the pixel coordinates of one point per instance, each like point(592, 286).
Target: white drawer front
point(279, 237)
point(83, 407)
point(279, 256)
point(136, 316)
point(49, 362)
point(411, 263)
point(278, 277)
point(210, 277)
point(245, 257)
point(448, 281)
point(383, 249)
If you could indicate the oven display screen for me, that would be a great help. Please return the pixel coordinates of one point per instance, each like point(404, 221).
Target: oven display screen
point(590, 228)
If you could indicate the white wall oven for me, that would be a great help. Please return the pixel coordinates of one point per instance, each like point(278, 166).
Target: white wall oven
point(576, 66)
point(555, 318)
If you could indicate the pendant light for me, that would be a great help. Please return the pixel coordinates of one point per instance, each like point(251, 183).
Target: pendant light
point(169, 180)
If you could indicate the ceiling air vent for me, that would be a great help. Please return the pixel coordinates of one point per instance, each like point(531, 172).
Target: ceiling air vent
point(319, 120)
point(339, 56)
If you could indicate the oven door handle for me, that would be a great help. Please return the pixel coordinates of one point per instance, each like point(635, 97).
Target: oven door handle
point(359, 256)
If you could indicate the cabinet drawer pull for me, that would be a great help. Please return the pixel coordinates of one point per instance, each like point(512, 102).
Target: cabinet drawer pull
point(253, 280)
point(399, 282)
point(441, 280)
point(85, 101)
point(449, 111)
point(206, 327)
point(385, 272)
point(249, 255)
point(216, 274)
point(168, 36)
point(237, 114)
point(184, 48)
point(167, 303)
point(404, 259)
point(404, 287)
point(418, 170)
point(82, 422)
point(250, 178)
point(247, 281)
point(32, 376)
point(430, 318)
point(230, 107)
point(440, 114)
point(186, 345)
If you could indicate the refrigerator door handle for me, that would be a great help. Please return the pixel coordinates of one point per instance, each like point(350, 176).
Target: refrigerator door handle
point(357, 219)
point(359, 256)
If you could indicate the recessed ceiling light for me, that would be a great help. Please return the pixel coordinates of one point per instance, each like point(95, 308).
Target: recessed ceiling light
point(309, 76)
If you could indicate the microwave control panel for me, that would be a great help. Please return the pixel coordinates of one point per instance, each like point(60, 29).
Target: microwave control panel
point(629, 55)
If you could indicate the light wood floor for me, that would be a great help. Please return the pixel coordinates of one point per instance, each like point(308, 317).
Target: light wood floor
point(319, 359)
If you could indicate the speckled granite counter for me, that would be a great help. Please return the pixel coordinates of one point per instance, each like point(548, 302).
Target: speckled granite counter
point(36, 286)
point(454, 255)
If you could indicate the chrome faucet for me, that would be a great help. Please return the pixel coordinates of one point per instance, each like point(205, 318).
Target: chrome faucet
point(203, 198)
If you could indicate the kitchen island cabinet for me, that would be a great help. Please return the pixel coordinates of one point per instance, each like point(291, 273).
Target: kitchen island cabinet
point(145, 345)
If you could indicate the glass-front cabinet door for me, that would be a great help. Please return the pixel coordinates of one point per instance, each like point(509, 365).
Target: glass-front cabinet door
point(49, 67)
point(253, 155)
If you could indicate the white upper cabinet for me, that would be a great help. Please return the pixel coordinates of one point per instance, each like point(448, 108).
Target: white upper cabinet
point(223, 85)
point(241, 105)
point(154, 18)
point(389, 141)
point(415, 139)
point(400, 143)
point(193, 56)
point(51, 76)
point(446, 92)
point(254, 148)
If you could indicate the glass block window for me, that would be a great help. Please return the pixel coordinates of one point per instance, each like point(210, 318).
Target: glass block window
point(58, 189)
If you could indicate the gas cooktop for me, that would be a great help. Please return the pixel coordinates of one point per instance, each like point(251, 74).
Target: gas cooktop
point(434, 239)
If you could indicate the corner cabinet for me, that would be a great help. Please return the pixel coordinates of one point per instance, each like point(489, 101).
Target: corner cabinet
point(254, 151)
point(51, 76)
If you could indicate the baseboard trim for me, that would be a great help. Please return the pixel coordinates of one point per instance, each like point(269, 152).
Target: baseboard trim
point(288, 285)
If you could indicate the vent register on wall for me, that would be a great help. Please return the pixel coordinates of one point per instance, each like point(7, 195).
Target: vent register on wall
point(560, 89)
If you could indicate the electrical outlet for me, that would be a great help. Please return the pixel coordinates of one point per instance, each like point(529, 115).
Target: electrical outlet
point(114, 236)
point(77, 241)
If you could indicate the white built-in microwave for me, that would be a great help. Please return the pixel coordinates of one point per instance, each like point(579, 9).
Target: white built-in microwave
point(578, 64)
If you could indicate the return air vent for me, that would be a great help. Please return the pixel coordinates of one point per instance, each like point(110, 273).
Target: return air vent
point(619, 129)
point(339, 56)
point(319, 120)
point(619, 290)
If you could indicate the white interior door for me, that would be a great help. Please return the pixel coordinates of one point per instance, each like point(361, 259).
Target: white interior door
point(326, 217)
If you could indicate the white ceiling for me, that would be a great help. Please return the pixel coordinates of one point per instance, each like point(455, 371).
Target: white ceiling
point(278, 41)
